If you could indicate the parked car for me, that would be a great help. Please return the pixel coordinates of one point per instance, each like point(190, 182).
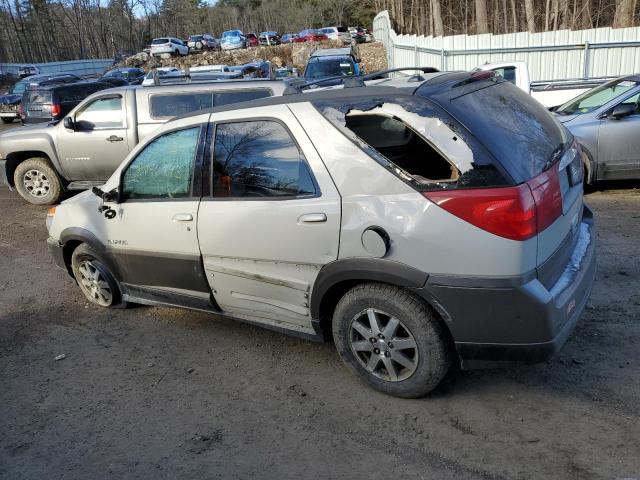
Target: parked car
point(358, 34)
point(337, 33)
point(310, 35)
point(233, 39)
point(288, 38)
point(606, 122)
point(269, 38)
point(28, 70)
point(169, 45)
point(162, 72)
point(11, 101)
point(202, 43)
point(88, 145)
point(421, 224)
point(332, 62)
point(48, 102)
point(131, 75)
point(252, 40)
point(287, 72)
point(257, 69)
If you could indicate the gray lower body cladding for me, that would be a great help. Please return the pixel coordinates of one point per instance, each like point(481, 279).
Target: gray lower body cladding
point(3, 174)
point(516, 319)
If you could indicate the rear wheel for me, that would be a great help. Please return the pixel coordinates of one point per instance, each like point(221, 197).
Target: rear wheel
point(94, 278)
point(37, 182)
point(391, 339)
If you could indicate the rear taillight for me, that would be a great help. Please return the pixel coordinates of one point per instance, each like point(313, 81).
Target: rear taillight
point(548, 197)
point(55, 110)
point(516, 213)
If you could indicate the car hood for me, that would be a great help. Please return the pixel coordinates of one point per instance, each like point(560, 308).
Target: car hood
point(10, 98)
point(26, 131)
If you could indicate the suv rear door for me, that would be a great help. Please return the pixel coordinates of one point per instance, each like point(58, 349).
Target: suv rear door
point(272, 219)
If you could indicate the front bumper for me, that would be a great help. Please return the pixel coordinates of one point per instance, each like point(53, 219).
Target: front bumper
point(518, 319)
point(56, 252)
point(3, 174)
point(230, 46)
point(9, 115)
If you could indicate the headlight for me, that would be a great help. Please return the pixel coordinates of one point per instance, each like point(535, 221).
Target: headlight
point(50, 213)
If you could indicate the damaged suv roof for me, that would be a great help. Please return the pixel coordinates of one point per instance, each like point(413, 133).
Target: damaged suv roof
point(379, 87)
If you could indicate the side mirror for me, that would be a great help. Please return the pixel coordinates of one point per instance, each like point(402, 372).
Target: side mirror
point(110, 196)
point(623, 110)
point(69, 123)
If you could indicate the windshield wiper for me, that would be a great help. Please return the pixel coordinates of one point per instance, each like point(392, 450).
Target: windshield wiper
point(554, 157)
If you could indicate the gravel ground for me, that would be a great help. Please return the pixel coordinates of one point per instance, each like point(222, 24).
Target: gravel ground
point(162, 393)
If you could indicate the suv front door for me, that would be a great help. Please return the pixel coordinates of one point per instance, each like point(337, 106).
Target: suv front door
point(272, 221)
point(151, 234)
point(99, 141)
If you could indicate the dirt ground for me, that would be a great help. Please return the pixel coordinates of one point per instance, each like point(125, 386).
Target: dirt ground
point(160, 393)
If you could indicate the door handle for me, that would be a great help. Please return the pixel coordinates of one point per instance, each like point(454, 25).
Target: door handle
point(114, 138)
point(312, 218)
point(183, 217)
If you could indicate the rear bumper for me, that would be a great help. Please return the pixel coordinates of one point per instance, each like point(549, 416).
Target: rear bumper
point(495, 321)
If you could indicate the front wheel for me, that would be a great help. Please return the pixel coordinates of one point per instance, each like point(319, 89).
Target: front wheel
point(94, 278)
point(391, 339)
point(7, 119)
point(37, 182)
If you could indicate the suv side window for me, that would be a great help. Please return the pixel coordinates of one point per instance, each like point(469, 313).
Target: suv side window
point(104, 112)
point(164, 168)
point(259, 159)
point(163, 106)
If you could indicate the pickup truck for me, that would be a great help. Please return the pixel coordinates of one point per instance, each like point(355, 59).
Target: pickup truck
point(551, 93)
point(84, 149)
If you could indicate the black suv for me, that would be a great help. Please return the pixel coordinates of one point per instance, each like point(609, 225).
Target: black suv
point(51, 102)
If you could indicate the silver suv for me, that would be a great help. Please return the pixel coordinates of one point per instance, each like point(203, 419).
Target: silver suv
point(420, 223)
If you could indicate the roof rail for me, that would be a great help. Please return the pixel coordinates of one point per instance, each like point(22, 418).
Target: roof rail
point(206, 77)
point(296, 86)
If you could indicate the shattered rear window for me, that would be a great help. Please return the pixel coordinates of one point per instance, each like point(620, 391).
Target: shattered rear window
point(416, 140)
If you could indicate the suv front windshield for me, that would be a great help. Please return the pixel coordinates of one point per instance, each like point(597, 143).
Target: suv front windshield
point(596, 98)
point(329, 68)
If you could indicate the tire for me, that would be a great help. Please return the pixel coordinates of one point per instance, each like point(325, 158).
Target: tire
point(37, 182)
point(94, 278)
point(7, 119)
point(424, 352)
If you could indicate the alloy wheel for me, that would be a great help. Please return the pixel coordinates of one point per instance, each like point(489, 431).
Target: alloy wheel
point(36, 183)
point(94, 284)
point(383, 345)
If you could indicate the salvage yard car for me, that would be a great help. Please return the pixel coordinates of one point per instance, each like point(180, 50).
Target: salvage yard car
point(606, 120)
point(11, 101)
point(86, 147)
point(369, 214)
point(50, 102)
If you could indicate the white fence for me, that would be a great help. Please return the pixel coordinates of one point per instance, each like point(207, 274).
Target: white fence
point(559, 55)
point(78, 67)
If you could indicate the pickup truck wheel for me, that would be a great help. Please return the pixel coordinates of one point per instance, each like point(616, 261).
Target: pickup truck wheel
point(37, 182)
point(7, 119)
point(95, 280)
point(391, 339)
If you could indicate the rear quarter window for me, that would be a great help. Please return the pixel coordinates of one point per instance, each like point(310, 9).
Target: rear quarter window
point(225, 98)
point(415, 140)
point(514, 127)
